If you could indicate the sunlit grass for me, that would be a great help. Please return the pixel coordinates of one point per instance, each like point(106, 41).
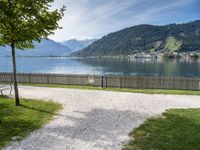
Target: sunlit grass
point(145, 91)
point(17, 122)
point(177, 129)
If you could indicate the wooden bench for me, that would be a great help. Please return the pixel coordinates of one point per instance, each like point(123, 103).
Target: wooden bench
point(6, 87)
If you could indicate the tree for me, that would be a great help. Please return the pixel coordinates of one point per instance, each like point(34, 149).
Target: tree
point(25, 21)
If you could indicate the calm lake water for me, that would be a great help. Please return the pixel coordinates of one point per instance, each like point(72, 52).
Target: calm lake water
point(184, 68)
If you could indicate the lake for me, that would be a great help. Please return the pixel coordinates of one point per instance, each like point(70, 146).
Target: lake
point(104, 66)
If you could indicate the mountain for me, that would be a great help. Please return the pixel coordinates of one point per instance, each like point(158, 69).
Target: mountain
point(76, 45)
point(45, 48)
point(148, 39)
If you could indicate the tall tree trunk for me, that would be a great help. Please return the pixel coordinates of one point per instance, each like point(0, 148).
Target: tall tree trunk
point(17, 102)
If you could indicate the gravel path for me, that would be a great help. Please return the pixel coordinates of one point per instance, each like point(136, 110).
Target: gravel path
point(95, 120)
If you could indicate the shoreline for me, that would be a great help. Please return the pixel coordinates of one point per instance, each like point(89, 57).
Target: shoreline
point(154, 56)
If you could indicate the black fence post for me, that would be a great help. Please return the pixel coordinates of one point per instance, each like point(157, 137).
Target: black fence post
point(102, 82)
point(120, 82)
point(106, 81)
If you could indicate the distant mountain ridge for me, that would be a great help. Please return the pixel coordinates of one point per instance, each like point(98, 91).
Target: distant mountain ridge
point(46, 48)
point(76, 45)
point(148, 39)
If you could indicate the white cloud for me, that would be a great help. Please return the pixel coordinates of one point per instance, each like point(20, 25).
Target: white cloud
point(95, 18)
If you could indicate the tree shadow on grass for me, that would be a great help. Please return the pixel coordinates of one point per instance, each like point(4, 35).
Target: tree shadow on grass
point(97, 128)
point(17, 122)
point(100, 128)
point(15, 127)
point(108, 128)
point(41, 110)
point(179, 130)
point(15, 130)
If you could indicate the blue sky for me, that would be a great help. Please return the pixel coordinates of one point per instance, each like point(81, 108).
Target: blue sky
point(95, 18)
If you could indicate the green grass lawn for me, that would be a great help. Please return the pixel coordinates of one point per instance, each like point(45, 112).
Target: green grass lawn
point(17, 122)
point(177, 129)
point(145, 91)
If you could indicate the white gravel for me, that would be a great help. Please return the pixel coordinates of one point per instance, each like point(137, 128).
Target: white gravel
point(95, 120)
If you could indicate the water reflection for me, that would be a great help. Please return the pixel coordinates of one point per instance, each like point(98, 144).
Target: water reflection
point(147, 67)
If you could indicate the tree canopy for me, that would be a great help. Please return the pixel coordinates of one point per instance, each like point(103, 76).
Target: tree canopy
point(25, 21)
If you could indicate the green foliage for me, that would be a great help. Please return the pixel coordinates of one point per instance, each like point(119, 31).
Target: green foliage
point(25, 21)
point(17, 122)
point(147, 38)
point(177, 129)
